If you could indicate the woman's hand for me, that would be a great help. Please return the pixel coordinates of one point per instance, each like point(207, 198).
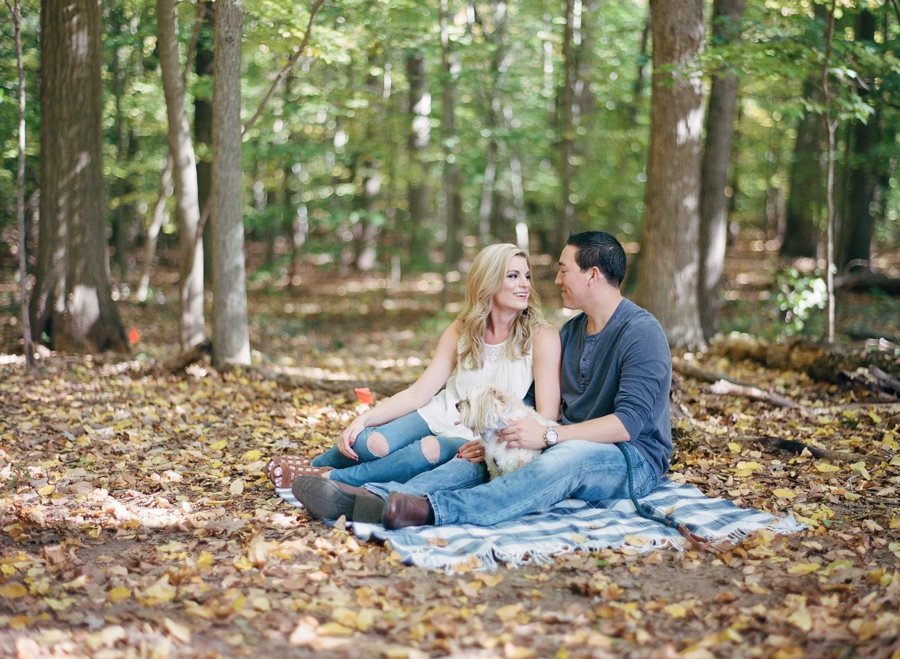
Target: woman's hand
point(348, 437)
point(472, 451)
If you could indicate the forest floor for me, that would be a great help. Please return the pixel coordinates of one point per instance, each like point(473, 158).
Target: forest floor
point(136, 520)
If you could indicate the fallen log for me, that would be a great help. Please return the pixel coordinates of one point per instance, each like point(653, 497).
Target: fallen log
point(795, 447)
point(703, 375)
point(868, 280)
point(725, 388)
point(819, 361)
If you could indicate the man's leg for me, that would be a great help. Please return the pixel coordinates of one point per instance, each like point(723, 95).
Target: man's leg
point(453, 475)
point(580, 469)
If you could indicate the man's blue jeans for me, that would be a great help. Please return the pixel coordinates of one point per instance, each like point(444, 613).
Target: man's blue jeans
point(461, 493)
point(403, 461)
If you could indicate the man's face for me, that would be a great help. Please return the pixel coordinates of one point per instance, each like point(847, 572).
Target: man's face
point(573, 282)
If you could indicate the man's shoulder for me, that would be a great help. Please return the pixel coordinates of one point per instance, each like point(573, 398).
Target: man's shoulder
point(573, 325)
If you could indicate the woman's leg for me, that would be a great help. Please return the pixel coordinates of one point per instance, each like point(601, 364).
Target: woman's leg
point(400, 466)
point(374, 443)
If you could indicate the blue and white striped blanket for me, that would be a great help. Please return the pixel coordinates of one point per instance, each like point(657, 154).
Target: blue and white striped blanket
point(572, 524)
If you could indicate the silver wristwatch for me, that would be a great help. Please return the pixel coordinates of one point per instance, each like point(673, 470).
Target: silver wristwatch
point(550, 437)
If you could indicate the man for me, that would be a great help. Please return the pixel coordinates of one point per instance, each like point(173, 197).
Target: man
point(615, 376)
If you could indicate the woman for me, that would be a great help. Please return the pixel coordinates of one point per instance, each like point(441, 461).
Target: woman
point(500, 338)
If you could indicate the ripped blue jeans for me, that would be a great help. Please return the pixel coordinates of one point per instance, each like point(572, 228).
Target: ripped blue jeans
point(405, 457)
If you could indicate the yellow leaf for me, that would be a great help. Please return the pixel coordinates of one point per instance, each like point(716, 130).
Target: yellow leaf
point(675, 610)
point(252, 455)
point(827, 468)
point(180, 632)
point(237, 486)
point(783, 493)
point(509, 612)
point(801, 619)
point(162, 590)
point(47, 490)
point(804, 568)
point(861, 468)
point(489, 579)
point(734, 447)
point(13, 591)
point(895, 523)
point(874, 416)
point(365, 619)
point(222, 443)
point(118, 594)
point(895, 548)
point(333, 629)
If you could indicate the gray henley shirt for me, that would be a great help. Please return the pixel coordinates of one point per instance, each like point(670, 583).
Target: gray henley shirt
point(625, 369)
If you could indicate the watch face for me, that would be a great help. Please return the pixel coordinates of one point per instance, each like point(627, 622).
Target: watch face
point(551, 437)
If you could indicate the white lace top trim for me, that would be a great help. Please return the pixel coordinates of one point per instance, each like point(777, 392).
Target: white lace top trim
point(515, 375)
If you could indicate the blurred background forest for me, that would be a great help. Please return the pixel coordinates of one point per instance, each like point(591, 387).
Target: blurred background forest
point(395, 138)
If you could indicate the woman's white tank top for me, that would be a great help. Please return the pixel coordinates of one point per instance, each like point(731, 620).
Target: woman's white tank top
point(499, 370)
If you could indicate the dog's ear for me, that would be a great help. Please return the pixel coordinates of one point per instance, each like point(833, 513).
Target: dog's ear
point(491, 407)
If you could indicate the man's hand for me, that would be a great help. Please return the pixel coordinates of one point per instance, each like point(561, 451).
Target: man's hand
point(348, 437)
point(524, 433)
point(472, 451)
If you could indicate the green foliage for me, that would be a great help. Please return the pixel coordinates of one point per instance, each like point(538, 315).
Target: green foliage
point(798, 294)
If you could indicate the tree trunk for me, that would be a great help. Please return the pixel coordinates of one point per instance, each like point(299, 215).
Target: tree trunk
point(117, 71)
point(667, 282)
point(805, 200)
point(419, 135)
point(856, 237)
point(231, 342)
point(804, 206)
point(568, 222)
point(452, 175)
point(184, 174)
point(488, 210)
point(203, 67)
point(30, 363)
point(714, 170)
point(72, 300)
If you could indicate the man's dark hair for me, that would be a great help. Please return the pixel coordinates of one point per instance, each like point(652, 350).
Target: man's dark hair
point(601, 250)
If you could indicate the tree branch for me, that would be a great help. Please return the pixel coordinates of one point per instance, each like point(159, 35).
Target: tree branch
point(281, 76)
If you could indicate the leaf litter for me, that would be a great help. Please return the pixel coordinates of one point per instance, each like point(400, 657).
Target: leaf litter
point(136, 519)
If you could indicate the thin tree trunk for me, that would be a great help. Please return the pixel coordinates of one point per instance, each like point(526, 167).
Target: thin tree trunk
point(714, 170)
point(804, 205)
point(856, 236)
point(184, 174)
point(30, 363)
point(231, 341)
point(452, 175)
point(117, 69)
point(667, 282)
point(568, 221)
point(159, 218)
point(417, 143)
point(203, 67)
point(829, 185)
point(487, 209)
point(72, 300)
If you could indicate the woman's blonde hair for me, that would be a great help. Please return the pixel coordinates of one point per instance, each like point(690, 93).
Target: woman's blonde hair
point(484, 280)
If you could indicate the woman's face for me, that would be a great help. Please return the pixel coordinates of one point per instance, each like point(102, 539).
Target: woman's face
point(515, 290)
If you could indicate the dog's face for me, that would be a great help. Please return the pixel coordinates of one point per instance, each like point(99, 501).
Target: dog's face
point(485, 408)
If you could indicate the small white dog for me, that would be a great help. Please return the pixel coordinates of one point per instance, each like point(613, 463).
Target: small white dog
point(488, 409)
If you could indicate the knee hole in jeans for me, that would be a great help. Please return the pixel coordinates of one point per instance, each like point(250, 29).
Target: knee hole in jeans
point(431, 449)
point(377, 444)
